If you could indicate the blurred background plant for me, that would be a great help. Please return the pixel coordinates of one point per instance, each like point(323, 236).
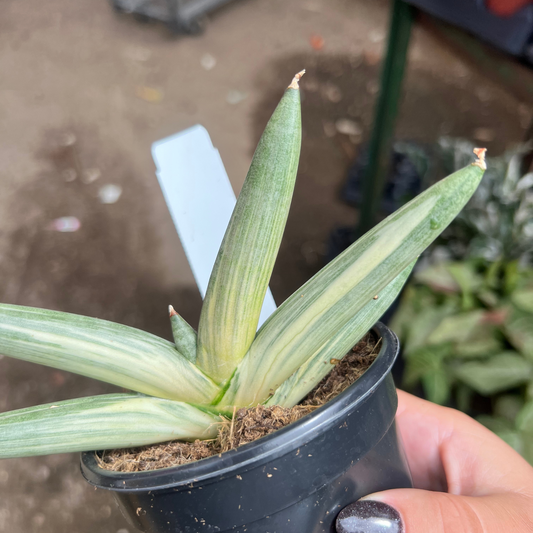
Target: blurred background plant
point(466, 318)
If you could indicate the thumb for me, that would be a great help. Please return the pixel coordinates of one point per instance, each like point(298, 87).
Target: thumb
point(420, 511)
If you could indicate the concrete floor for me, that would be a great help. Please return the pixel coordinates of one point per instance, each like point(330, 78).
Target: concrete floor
point(106, 86)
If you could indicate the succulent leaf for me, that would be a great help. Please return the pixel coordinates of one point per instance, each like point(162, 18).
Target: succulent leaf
point(314, 313)
point(185, 337)
point(244, 264)
point(101, 422)
point(103, 350)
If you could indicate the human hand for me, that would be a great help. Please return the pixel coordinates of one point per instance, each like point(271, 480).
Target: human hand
point(483, 485)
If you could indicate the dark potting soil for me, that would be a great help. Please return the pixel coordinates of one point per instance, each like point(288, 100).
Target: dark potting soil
point(246, 425)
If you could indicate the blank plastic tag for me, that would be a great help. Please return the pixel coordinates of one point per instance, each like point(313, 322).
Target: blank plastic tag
point(200, 199)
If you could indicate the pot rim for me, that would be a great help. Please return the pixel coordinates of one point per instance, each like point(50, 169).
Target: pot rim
point(256, 453)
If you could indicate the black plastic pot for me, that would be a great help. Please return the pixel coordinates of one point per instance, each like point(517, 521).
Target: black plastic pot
point(295, 480)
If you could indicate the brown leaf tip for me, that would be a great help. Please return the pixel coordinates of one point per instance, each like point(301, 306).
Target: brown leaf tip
point(295, 80)
point(480, 161)
point(171, 311)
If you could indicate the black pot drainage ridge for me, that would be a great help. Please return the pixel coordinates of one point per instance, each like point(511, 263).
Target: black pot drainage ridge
point(295, 480)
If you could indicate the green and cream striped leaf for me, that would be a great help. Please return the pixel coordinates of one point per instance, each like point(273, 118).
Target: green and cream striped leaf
point(101, 422)
point(185, 337)
point(309, 375)
point(244, 264)
point(314, 313)
point(102, 350)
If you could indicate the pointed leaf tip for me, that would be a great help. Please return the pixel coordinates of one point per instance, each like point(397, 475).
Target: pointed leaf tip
point(480, 161)
point(295, 80)
point(184, 335)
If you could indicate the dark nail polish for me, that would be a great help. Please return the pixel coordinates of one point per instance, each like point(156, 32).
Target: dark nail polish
point(368, 516)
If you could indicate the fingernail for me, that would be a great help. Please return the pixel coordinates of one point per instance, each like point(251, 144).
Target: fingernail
point(368, 516)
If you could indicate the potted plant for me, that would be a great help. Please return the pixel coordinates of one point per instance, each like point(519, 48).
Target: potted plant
point(298, 478)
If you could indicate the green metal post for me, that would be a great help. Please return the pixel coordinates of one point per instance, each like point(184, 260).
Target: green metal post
point(386, 110)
